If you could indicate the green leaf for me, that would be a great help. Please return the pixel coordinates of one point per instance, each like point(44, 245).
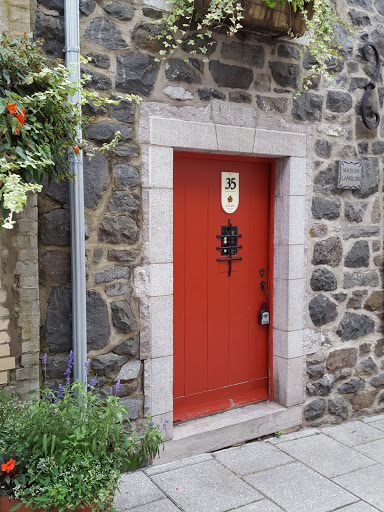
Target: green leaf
point(16, 507)
point(3, 104)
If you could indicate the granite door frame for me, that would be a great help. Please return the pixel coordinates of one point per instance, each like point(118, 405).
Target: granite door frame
point(235, 130)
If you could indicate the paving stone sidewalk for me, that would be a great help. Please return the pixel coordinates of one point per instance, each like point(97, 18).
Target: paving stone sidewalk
point(314, 470)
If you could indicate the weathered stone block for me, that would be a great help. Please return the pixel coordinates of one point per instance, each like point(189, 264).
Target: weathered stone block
point(358, 255)
point(100, 60)
point(118, 230)
point(107, 363)
point(105, 132)
point(315, 371)
point(134, 405)
point(252, 55)
point(127, 150)
point(120, 11)
point(122, 316)
point(116, 289)
point(129, 347)
point(124, 256)
point(354, 279)
point(351, 386)
point(341, 358)
point(144, 36)
point(307, 107)
point(322, 310)
point(104, 33)
point(269, 104)
point(321, 387)
point(285, 74)
point(51, 29)
point(180, 71)
point(136, 73)
point(235, 77)
point(323, 148)
point(287, 51)
point(354, 212)
point(339, 297)
point(87, 6)
point(323, 279)
point(56, 265)
point(95, 179)
point(178, 93)
point(378, 382)
point(353, 326)
point(111, 274)
point(97, 80)
point(326, 208)
point(239, 97)
point(123, 202)
point(360, 232)
point(338, 407)
point(359, 18)
point(326, 181)
point(124, 111)
point(314, 409)
point(55, 228)
point(338, 101)
point(318, 230)
point(209, 94)
point(379, 347)
point(370, 178)
point(328, 252)
point(363, 399)
point(129, 371)
point(126, 176)
point(366, 367)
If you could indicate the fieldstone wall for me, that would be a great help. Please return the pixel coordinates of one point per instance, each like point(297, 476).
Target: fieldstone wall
point(345, 343)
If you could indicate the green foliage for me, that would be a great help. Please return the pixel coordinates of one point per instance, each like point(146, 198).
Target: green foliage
point(39, 127)
point(70, 447)
point(321, 22)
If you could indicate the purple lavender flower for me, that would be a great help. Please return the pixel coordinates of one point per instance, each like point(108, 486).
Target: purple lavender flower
point(93, 382)
point(59, 394)
point(87, 364)
point(117, 387)
point(44, 362)
point(68, 371)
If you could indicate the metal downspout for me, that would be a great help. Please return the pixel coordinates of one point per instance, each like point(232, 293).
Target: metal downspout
point(76, 194)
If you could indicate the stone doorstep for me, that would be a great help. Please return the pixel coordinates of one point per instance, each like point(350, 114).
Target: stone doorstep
point(228, 428)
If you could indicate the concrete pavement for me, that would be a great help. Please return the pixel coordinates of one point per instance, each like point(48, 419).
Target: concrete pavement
point(314, 470)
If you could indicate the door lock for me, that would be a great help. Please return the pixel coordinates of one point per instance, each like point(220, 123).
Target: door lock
point(263, 314)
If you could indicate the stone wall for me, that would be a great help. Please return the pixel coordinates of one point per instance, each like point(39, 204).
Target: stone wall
point(345, 344)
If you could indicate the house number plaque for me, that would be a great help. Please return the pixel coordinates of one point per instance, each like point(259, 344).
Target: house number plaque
point(230, 191)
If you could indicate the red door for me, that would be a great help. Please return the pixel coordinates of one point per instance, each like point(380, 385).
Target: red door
point(220, 350)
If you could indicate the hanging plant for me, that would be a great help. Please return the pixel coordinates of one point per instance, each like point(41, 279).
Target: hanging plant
point(38, 125)
point(185, 16)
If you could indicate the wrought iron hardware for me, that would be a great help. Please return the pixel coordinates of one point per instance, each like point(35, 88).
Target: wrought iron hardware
point(229, 245)
point(370, 86)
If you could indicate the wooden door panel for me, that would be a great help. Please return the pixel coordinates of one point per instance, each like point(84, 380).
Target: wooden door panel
point(221, 352)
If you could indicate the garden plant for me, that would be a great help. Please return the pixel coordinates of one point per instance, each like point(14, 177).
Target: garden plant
point(38, 124)
point(67, 448)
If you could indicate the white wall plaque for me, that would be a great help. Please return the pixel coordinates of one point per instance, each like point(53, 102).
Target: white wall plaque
point(230, 191)
point(350, 174)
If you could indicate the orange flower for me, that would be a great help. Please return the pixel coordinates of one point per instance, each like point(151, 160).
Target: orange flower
point(11, 108)
point(8, 466)
point(76, 149)
point(17, 131)
point(21, 117)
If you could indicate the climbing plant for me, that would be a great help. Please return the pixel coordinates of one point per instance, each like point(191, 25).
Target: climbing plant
point(38, 125)
point(186, 16)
